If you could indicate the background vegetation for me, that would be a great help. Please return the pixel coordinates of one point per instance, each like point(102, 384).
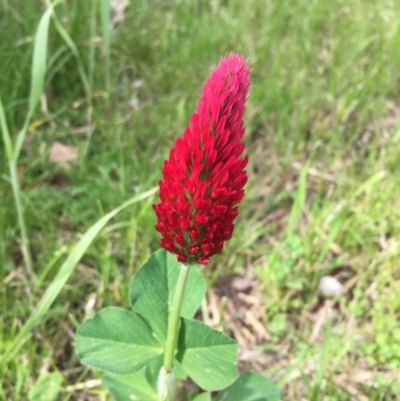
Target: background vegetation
point(323, 196)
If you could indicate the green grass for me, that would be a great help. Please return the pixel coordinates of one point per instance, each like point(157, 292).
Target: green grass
point(323, 136)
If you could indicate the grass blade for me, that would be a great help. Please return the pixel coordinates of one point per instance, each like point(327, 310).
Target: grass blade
point(70, 43)
point(299, 201)
point(105, 21)
point(318, 391)
point(92, 48)
point(37, 85)
point(16, 191)
point(26, 252)
point(38, 73)
point(6, 133)
point(64, 274)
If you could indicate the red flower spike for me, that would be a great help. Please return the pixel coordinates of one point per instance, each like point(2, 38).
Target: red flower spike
point(204, 176)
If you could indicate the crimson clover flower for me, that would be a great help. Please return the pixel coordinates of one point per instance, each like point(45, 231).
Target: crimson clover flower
point(204, 176)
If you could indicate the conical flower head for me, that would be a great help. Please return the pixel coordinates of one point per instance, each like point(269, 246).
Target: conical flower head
point(204, 176)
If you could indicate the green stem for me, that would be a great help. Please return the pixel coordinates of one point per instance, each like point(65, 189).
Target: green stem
point(24, 236)
point(166, 376)
point(174, 318)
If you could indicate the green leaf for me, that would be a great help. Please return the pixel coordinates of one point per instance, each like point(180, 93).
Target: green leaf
point(139, 386)
point(179, 372)
point(153, 288)
point(47, 387)
point(208, 356)
point(64, 274)
point(250, 387)
point(153, 371)
point(129, 387)
point(202, 397)
point(116, 340)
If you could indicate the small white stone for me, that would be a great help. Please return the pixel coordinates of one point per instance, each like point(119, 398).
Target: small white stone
point(330, 287)
point(134, 103)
